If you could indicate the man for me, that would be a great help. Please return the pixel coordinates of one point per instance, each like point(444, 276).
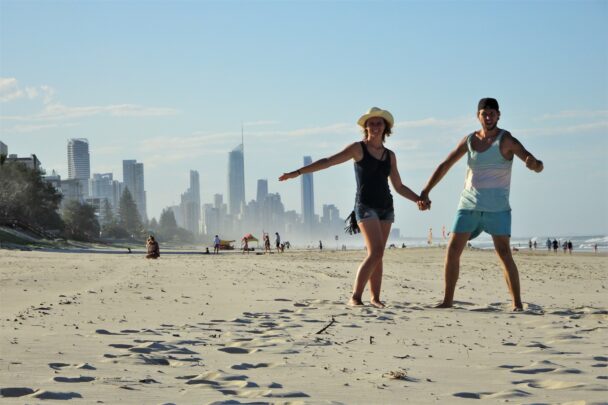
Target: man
point(216, 244)
point(484, 202)
point(277, 241)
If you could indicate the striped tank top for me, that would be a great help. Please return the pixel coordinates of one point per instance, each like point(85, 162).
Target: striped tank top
point(488, 180)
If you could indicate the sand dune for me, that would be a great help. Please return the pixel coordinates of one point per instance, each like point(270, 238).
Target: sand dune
point(275, 329)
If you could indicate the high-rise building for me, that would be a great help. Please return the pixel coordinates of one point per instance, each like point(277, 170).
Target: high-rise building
point(262, 190)
point(308, 198)
point(103, 185)
point(191, 204)
point(3, 149)
point(133, 179)
point(79, 162)
point(236, 180)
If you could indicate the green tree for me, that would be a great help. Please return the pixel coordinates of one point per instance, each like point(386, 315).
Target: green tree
point(80, 221)
point(167, 223)
point(27, 197)
point(108, 213)
point(129, 216)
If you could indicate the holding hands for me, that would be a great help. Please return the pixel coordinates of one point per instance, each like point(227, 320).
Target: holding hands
point(423, 202)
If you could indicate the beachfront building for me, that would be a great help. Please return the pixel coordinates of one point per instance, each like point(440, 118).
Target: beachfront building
point(79, 163)
point(133, 179)
point(236, 180)
point(32, 161)
point(308, 199)
point(3, 149)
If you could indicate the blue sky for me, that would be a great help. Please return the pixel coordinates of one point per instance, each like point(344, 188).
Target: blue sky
point(169, 84)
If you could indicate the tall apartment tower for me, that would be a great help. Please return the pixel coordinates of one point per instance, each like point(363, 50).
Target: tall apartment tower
point(3, 149)
point(79, 163)
point(133, 179)
point(262, 190)
point(308, 197)
point(236, 180)
point(191, 204)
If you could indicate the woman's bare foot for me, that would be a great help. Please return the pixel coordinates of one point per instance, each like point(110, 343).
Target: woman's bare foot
point(444, 304)
point(377, 303)
point(355, 302)
point(518, 309)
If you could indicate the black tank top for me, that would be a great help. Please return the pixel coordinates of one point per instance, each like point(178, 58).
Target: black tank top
point(372, 180)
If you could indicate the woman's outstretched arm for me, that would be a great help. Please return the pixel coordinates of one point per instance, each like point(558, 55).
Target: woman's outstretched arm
point(352, 151)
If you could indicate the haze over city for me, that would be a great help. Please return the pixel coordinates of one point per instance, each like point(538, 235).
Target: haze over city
point(175, 85)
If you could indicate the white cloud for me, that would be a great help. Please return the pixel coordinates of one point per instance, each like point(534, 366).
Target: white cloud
point(569, 114)
point(10, 90)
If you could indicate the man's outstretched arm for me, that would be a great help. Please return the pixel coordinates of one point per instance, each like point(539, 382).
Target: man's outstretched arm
point(515, 147)
point(441, 170)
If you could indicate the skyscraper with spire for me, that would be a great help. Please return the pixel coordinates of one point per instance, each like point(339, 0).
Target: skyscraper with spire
point(236, 180)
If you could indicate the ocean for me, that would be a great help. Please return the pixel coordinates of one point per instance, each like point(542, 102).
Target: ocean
point(484, 241)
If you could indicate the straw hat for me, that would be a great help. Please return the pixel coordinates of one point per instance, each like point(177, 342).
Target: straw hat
point(376, 112)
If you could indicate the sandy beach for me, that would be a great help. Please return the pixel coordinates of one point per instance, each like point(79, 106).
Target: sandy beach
point(232, 328)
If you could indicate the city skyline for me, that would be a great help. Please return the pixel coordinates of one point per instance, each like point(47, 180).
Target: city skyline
point(221, 69)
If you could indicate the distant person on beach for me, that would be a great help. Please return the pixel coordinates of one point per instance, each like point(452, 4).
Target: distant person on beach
point(277, 241)
point(373, 214)
point(152, 248)
point(267, 243)
point(530, 244)
point(484, 202)
point(569, 246)
point(216, 244)
point(245, 244)
point(549, 244)
point(595, 248)
point(555, 245)
point(320, 245)
point(534, 245)
point(565, 246)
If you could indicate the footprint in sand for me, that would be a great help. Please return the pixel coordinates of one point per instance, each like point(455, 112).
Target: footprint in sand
point(550, 384)
point(73, 379)
point(510, 394)
point(15, 392)
point(236, 350)
point(247, 366)
point(43, 394)
point(81, 366)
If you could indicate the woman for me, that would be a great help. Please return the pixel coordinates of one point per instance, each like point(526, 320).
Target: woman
point(152, 248)
point(374, 165)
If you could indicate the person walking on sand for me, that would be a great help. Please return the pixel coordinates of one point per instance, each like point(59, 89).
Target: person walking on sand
point(484, 202)
point(267, 244)
point(216, 244)
point(277, 241)
point(374, 214)
point(555, 245)
point(152, 248)
point(245, 244)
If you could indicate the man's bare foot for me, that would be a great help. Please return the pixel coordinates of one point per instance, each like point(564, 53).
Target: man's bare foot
point(518, 309)
point(377, 304)
point(355, 302)
point(444, 305)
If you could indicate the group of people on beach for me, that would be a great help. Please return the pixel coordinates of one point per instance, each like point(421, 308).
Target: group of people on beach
point(483, 206)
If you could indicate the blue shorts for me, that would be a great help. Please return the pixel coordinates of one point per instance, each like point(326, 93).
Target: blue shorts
point(363, 212)
point(476, 222)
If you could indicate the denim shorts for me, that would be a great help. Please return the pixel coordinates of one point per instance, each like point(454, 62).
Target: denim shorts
point(363, 212)
point(476, 222)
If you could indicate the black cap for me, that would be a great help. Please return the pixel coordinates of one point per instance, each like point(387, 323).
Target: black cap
point(487, 103)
